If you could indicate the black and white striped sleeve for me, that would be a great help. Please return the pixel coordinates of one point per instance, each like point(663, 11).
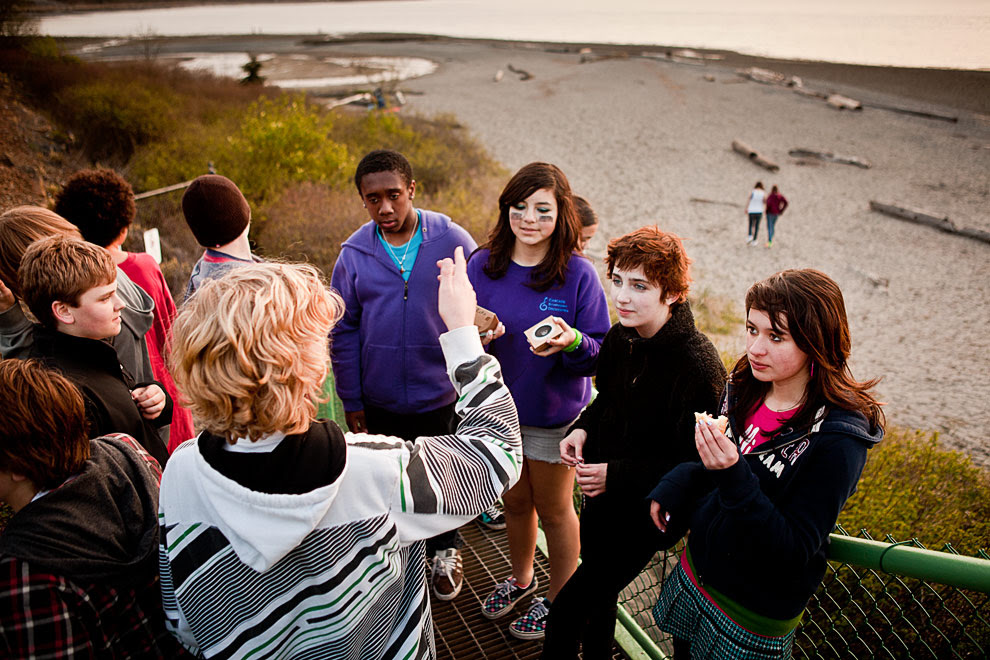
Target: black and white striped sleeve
point(448, 480)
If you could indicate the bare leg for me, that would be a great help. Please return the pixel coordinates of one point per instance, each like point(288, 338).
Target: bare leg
point(520, 526)
point(552, 488)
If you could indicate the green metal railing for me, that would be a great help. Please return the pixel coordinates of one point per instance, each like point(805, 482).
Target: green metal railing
point(885, 599)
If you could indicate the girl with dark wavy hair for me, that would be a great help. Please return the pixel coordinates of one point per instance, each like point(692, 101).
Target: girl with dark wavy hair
point(768, 490)
point(528, 271)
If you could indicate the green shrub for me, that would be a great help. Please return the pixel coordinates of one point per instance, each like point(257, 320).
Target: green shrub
point(914, 488)
point(113, 117)
point(283, 141)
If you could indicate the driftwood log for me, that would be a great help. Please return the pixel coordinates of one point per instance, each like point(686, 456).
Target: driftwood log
point(913, 113)
point(702, 200)
point(768, 77)
point(754, 156)
point(522, 73)
point(830, 157)
point(843, 102)
point(921, 218)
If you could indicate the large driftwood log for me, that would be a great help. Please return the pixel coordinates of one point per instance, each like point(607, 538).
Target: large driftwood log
point(768, 77)
point(913, 113)
point(754, 156)
point(921, 218)
point(843, 102)
point(830, 157)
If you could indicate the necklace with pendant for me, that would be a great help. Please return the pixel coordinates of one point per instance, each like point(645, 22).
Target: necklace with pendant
point(405, 252)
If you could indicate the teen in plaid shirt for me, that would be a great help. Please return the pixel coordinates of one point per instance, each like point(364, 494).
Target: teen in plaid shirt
point(78, 560)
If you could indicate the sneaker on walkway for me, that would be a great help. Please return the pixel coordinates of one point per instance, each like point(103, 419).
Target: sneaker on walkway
point(447, 575)
point(493, 518)
point(504, 598)
point(532, 624)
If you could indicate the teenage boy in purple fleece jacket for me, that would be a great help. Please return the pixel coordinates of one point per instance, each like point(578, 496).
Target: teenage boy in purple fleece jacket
point(387, 361)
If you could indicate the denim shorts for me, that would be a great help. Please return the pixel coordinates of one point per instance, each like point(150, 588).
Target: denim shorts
point(542, 444)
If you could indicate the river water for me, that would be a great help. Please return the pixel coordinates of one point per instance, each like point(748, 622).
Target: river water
point(922, 33)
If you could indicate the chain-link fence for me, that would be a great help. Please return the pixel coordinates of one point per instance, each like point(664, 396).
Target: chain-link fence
point(861, 611)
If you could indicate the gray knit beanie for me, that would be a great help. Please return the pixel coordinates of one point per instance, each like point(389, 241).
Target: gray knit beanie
point(215, 210)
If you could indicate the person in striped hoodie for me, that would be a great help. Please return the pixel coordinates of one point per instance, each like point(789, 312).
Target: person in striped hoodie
point(284, 537)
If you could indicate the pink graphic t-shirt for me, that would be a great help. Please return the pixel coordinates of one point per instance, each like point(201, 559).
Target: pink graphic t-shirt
point(761, 425)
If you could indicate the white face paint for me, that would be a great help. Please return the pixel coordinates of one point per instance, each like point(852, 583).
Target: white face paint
point(533, 220)
point(638, 301)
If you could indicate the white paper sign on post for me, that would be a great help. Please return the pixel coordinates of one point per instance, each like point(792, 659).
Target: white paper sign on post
point(153, 244)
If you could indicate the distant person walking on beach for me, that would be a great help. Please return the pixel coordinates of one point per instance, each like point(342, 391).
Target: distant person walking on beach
point(755, 210)
point(776, 204)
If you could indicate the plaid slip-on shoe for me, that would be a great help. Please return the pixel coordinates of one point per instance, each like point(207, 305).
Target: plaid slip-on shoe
point(504, 598)
point(532, 624)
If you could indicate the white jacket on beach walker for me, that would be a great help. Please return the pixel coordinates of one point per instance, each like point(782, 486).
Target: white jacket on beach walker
point(337, 572)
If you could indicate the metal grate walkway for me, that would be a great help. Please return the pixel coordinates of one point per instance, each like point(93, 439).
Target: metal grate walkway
point(462, 632)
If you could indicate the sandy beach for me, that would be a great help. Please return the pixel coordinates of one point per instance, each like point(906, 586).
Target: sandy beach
point(644, 138)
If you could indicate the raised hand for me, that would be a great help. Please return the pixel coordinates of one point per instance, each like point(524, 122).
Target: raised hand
point(456, 298)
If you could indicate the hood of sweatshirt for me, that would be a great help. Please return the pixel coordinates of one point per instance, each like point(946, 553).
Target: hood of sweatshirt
point(261, 527)
point(365, 239)
point(100, 525)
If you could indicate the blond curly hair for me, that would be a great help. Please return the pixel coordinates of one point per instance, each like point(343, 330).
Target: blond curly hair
point(250, 350)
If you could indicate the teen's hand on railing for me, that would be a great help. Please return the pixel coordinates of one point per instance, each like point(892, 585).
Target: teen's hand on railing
point(660, 517)
point(717, 452)
point(456, 298)
point(7, 299)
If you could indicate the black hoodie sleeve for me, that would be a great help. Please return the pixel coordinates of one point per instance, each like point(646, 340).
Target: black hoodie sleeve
point(701, 388)
point(791, 528)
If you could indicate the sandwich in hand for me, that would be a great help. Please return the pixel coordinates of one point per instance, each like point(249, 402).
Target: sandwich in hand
point(705, 418)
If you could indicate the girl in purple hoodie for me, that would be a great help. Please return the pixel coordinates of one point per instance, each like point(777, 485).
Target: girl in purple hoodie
point(528, 271)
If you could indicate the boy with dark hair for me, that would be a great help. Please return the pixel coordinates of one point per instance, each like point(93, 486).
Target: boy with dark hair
point(79, 558)
point(654, 371)
point(387, 358)
point(220, 218)
point(71, 287)
point(101, 203)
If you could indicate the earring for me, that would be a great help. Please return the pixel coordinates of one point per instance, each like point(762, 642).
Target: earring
point(812, 374)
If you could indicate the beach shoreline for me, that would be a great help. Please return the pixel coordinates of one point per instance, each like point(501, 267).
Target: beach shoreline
point(965, 90)
point(648, 141)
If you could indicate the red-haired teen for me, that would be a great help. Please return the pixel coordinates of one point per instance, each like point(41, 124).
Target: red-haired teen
point(766, 494)
point(654, 370)
point(79, 558)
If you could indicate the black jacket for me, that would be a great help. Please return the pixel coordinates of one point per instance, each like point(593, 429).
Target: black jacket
point(642, 421)
point(92, 365)
point(759, 529)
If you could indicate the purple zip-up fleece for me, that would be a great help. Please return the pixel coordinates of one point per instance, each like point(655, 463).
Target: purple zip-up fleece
point(386, 350)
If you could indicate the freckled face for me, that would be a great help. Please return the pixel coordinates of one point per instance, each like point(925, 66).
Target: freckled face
point(533, 220)
point(774, 357)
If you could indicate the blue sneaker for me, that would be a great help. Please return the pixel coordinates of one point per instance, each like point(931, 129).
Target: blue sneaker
point(493, 518)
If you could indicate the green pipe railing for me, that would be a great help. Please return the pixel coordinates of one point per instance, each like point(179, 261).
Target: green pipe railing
point(878, 599)
point(900, 559)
